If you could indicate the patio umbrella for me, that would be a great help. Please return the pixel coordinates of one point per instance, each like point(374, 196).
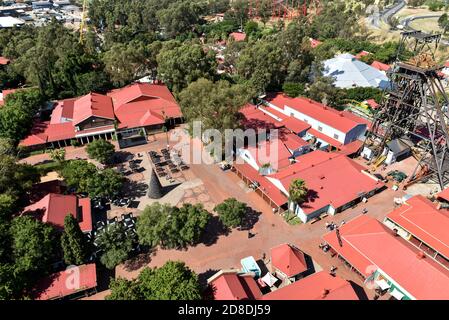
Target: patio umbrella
point(269, 279)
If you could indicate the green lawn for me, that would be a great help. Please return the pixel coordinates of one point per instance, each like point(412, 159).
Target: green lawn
point(291, 218)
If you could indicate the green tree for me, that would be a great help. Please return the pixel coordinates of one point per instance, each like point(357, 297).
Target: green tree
point(180, 17)
point(17, 115)
point(7, 147)
point(105, 183)
point(265, 11)
point(293, 89)
point(172, 281)
point(115, 245)
point(262, 64)
point(171, 227)
point(73, 243)
point(85, 177)
point(33, 247)
point(239, 12)
point(181, 64)
point(251, 28)
point(231, 212)
point(76, 174)
point(58, 155)
point(323, 90)
point(125, 62)
point(122, 289)
point(100, 150)
point(298, 191)
point(16, 179)
point(216, 105)
point(7, 206)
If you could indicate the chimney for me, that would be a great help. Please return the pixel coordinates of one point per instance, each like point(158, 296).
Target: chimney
point(324, 293)
point(421, 255)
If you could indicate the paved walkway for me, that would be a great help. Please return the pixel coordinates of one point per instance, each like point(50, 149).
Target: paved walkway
point(208, 184)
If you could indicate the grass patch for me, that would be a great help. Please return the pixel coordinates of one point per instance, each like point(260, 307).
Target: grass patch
point(25, 154)
point(291, 218)
point(45, 168)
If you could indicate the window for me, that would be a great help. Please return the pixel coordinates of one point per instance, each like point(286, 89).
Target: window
point(336, 136)
point(320, 128)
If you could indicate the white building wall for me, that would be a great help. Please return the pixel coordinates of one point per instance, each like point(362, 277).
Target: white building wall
point(247, 156)
point(315, 124)
point(345, 138)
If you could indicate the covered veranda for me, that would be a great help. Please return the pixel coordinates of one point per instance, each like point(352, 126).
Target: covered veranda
point(262, 187)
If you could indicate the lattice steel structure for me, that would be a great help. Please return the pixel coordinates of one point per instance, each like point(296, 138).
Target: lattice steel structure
point(416, 107)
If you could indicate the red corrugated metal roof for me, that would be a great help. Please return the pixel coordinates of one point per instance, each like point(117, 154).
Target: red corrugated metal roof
point(318, 286)
point(65, 283)
point(255, 119)
point(420, 217)
point(60, 131)
point(295, 125)
point(328, 186)
point(380, 66)
point(315, 110)
point(266, 186)
point(230, 286)
point(314, 43)
point(53, 209)
point(290, 261)
point(4, 61)
point(274, 152)
point(362, 54)
point(238, 36)
point(369, 246)
point(444, 194)
point(141, 104)
point(4, 94)
point(92, 105)
point(292, 141)
point(351, 148)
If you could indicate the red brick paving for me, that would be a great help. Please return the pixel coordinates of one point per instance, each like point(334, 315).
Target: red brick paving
point(271, 230)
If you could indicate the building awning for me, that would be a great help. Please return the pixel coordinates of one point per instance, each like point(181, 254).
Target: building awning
point(382, 284)
point(397, 294)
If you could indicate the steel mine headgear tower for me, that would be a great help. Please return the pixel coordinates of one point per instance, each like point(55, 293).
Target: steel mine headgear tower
point(416, 108)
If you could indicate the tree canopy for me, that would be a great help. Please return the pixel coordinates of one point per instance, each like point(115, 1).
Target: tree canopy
point(74, 245)
point(231, 212)
point(85, 177)
point(180, 64)
point(173, 281)
point(100, 150)
point(115, 245)
point(17, 115)
point(172, 227)
point(298, 191)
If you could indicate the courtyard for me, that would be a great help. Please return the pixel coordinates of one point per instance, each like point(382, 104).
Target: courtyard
point(208, 184)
